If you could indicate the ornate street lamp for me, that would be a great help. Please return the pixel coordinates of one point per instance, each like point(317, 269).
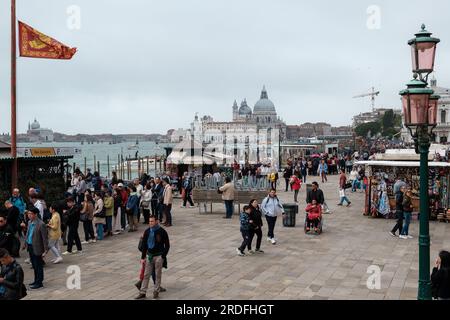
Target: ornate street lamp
point(420, 109)
point(423, 50)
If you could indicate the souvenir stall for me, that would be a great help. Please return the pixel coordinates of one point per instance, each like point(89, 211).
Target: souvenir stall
point(380, 198)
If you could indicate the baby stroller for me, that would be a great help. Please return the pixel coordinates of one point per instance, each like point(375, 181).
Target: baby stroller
point(319, 225)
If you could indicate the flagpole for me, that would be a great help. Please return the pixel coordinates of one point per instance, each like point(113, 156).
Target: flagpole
point(14, 169)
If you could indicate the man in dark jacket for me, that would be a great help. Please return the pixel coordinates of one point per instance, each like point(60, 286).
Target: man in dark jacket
point(11, 278)
point(287, 174)
point(155, 247)
point(12, 215)
point(398, 211)
point(37, 242)
point(6, 234)
point(315, 194)
point(157, 200)
point(72, 219)
point(187, 186)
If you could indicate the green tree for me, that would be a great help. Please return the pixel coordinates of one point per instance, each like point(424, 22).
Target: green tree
point(388, 119)
point(363, 129)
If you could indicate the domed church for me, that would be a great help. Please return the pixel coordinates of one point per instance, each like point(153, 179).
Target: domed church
point(36, 133)
point(263, 115)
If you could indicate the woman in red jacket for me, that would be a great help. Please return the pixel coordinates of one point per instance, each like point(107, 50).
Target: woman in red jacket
point(296, 184)
point(314, 214)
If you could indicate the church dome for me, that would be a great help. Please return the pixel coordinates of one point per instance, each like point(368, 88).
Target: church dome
point(35, 125)
point(245, 109)
point(264, 105)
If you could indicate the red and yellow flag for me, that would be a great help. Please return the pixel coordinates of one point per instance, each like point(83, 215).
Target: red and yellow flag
point(35, 44)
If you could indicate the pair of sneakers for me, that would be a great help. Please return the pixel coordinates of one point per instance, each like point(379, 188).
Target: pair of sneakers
point(272, 240)
point(57, 260)
point(402, 236)
point(73, 252)
point(89, 241)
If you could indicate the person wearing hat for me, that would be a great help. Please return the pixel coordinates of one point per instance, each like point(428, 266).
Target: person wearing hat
point(37, 243)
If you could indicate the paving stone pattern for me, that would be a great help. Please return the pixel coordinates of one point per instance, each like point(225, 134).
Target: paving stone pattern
point(202, 263)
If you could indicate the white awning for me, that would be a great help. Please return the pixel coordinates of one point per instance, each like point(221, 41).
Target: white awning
point(177, 157)
point(401, 163)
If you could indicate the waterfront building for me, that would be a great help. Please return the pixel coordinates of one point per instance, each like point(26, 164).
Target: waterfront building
point(37, 134)
point(442, 130)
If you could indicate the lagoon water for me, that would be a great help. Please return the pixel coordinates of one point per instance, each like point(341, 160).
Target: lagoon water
point(102, 150)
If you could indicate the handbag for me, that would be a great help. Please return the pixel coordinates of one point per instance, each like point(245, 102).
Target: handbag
point(348, 185)
point(83, 217)
point(145, 204)
point(101, 214)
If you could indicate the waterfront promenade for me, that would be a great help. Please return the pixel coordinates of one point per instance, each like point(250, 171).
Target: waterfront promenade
point(202, 262)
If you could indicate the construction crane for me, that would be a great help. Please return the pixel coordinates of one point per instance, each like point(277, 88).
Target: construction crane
point(372, 94)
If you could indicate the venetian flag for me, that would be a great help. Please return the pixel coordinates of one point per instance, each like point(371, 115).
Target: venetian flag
point(34, 44)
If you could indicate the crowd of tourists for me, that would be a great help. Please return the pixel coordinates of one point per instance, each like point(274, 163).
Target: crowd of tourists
point(107, 209)
point(102, 209)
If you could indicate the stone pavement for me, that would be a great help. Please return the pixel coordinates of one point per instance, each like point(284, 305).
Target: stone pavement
point(202, 263)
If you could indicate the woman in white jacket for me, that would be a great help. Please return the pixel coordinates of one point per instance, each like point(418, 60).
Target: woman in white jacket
point(272, 207)
point(99, 215)
point(146, 199)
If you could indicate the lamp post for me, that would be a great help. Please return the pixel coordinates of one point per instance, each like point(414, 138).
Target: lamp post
point(420, 109)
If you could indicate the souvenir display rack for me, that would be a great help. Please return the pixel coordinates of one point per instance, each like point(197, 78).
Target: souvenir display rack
point(438, 186)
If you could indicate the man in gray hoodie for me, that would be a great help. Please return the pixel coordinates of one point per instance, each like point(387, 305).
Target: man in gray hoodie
point(272, 207)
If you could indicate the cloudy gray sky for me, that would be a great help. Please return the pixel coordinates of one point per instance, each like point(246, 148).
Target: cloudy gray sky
point(145, 66)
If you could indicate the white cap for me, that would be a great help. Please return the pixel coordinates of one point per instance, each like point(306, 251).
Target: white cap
point(120, 185)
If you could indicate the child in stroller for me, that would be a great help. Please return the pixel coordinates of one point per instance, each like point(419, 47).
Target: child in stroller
point(313, 216)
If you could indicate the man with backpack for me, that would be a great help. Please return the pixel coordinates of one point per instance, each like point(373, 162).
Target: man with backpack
point(272, 207)
point(187, 186)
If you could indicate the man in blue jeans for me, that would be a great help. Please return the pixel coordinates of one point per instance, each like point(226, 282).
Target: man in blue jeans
point(227, 191)
point(342, 183)
point(37, 243)
point(407, 213)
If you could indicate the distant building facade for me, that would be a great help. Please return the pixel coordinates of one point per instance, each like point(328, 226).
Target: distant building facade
point(37, 134)
point(372, 116)
point(442, 130)
point(319, 129)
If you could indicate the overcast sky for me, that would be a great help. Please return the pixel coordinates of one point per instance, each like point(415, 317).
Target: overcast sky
point(145, 66)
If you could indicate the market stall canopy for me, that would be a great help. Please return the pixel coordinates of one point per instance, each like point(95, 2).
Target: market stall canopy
point(401, 163)
point(183, 158)
point(410, 154)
